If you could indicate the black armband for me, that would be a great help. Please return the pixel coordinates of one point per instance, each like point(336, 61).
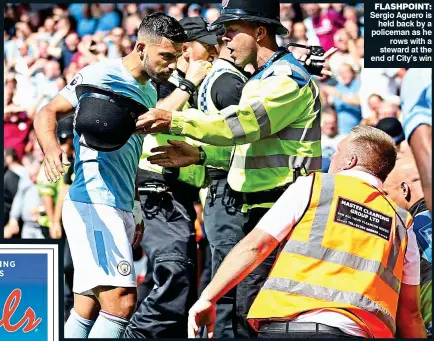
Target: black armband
point(188, 86)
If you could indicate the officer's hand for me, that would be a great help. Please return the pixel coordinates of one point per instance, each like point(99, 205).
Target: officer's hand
point(54, 161)
point(178, 154)
point(202, 313)
point(138, 234)
point(154, 121)
point(140, 224)
point(319, 60)
point(197, 70)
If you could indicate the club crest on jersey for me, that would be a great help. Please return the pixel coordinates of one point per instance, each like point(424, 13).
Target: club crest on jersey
point(124, 268)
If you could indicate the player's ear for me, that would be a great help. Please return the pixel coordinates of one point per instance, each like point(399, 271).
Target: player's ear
point(140, 48)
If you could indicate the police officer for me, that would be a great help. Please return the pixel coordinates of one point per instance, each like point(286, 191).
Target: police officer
point(275, 128)
point(168, 197)
point(348, 263)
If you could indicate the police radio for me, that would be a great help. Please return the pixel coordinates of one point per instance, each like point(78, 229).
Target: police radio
point(316, 52)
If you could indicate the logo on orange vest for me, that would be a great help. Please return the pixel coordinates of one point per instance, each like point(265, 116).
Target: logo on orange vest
point(361, 217)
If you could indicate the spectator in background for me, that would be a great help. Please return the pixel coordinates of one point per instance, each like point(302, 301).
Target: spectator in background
point(326, 21)
point(12, 173)
point(299, 31)
point(283, 40)
point(330, 137)
point(130, 25)
point(109, 18)
point(87, 23)
point(114, 41)
point(389, 109)
point(25, 205)
point(194, 10)
point(345, 98)
point(374, 104)
point(175, 12)
point(77, 11)
point(45, 83)
point(68, 48)
point(381, 81)
point(130, 9)
point(342, 55)
point(17, 124)
point(126, 46)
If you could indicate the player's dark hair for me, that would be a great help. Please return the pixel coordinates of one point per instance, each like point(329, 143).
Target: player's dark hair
point(158, 25)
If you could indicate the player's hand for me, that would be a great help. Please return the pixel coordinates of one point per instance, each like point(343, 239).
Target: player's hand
point(11, 228)
point(154, 121)
point(54, 161)
point(55, 230)
point(203, 313)
point(319, 59)
point(197, 70)
point(177, 154)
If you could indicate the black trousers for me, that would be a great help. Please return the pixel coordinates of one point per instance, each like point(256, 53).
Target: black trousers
point(225, 226)
point(301, 330)
point(170, 245)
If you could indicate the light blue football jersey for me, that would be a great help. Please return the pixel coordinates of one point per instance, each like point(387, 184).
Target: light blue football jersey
point(108, 178)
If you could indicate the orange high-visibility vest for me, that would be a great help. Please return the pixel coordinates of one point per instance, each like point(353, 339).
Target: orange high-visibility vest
point(345, 254)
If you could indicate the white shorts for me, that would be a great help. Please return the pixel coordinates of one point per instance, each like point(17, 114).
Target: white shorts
point(100, 239)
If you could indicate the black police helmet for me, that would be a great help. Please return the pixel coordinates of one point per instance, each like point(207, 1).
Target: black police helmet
point(262, 11)
point(105, 120)
point(65, 127)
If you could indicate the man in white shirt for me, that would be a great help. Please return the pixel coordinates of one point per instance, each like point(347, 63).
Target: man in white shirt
point(376, 307)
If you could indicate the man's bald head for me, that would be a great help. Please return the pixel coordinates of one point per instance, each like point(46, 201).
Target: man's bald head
point(403, 183)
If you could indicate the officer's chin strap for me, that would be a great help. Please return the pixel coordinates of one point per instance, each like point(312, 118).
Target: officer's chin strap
point(315, 51)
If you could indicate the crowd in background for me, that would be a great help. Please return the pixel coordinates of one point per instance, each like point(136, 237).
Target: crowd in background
point(46, 45)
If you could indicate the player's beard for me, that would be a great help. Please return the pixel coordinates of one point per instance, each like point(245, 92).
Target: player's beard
point(155, 76)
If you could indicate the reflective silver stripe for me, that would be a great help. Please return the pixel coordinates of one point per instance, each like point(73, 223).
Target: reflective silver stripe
point(280, 64)
point(313, 248)
point(323, 210)
point(343, 258)
point(331, 295)
point(399, 237)
point(299, 70)
point(262, 118)
point(304, 134)
point(308, 162)
point(274, 161)
point(233, 123)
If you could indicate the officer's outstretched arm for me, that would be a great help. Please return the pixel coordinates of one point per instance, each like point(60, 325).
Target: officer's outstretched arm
point(409, 321)
point(266, 107)
point(45, 127)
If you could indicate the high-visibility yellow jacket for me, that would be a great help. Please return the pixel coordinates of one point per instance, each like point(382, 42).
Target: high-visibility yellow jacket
point(345, 254)
point(275, 127)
